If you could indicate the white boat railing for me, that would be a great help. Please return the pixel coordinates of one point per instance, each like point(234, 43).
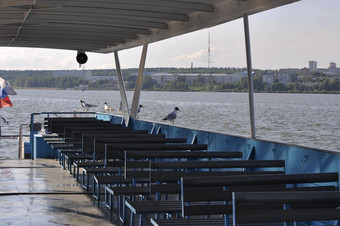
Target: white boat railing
point(21, 151)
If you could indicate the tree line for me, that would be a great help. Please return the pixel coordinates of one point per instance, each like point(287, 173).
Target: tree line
point(315, 83)
point(324, 85)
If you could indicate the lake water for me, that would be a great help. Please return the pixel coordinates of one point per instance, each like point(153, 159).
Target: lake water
point(306, 119)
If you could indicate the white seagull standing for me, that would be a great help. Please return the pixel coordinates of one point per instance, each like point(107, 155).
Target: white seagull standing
point(86, 106)
point(172, 116)
point(106, 107)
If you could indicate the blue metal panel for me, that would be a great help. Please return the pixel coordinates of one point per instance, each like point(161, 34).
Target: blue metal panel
point(299, 159)
point(42, 149)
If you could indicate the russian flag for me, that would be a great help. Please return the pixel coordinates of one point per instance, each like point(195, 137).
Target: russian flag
point(4, 99)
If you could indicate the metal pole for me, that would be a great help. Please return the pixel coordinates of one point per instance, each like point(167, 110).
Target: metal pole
point(20, 143)
point(32, 136)
point(136, 95)
point(250, 77)
point(125, 106)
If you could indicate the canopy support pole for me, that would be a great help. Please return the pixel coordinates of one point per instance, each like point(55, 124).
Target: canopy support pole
point(136, 95)
point(250, 77)
point(125, 106)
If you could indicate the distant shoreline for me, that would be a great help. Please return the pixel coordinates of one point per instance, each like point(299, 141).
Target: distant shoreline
point(36, 88)
point(46, 88)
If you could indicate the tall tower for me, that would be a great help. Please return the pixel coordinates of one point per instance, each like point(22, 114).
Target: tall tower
point(209, 50)
point(312, 65)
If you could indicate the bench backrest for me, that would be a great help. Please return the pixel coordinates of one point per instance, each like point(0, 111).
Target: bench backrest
point(172, 171)
point(274, 207)
point(89, 138)
point(49, 123)
point(112, 149)
point(219, 164)
point(168, 182)
point(183, 154)
point(102, 145)
point(71, 131)
point(60, 127)
point(220, 188)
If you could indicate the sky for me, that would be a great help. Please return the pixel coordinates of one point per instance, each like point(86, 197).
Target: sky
point(285, 37)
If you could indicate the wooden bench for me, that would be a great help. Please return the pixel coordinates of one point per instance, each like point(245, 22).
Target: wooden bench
point(87, 150)
point(283, 206)
point(69, 131)
point(162, 184)
point(59, 127)
point(88, 138)
point(92, 144)
point(116, 151)
point(136, 155)
point(155, 176)
point(213, 195)
point(150, 139)
point(71, 141)
point(50, 124)
point(130, 176)
point(188, 166)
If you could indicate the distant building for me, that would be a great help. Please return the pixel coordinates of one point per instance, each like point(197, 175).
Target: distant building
point(84, 74)
point(305, 71)
point(290, 70)
point(332, 70)
point(72, 73)
point(332, 65)
point(271, 78)
point(313, 66)
point(163, 78)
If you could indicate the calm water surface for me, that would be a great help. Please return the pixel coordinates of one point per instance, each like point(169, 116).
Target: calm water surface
point(305, 119)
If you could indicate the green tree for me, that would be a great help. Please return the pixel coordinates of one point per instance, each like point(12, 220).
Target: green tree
point(148, 82)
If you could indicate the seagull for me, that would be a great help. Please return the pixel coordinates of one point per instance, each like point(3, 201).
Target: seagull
point(139, 108)
point(86, 106)
point(106, 107)
point(172, 116)
point(5, 121)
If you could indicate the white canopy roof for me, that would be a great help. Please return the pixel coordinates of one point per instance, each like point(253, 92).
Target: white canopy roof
point(108, 25)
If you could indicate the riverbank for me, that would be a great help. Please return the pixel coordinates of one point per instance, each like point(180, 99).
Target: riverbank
point(161, 90)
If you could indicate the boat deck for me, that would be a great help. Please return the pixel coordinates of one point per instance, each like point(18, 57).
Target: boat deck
point(39, 192)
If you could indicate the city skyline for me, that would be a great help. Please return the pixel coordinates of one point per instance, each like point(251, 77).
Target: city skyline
point(285, 37)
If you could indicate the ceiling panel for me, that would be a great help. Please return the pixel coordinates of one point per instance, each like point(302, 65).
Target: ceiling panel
point(109, 25)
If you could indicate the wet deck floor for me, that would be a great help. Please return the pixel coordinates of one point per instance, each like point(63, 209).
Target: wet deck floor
point(39, 192)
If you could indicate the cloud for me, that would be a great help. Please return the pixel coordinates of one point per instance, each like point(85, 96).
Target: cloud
point(109, 66)
point(179, 58)
point(36, 59)
point(191, 57)
point(197, 55)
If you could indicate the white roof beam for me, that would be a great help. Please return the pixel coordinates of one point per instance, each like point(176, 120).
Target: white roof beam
point(7, 3)
point(85, 19)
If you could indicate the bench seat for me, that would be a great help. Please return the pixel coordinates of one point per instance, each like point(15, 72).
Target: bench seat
point(188, 222)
